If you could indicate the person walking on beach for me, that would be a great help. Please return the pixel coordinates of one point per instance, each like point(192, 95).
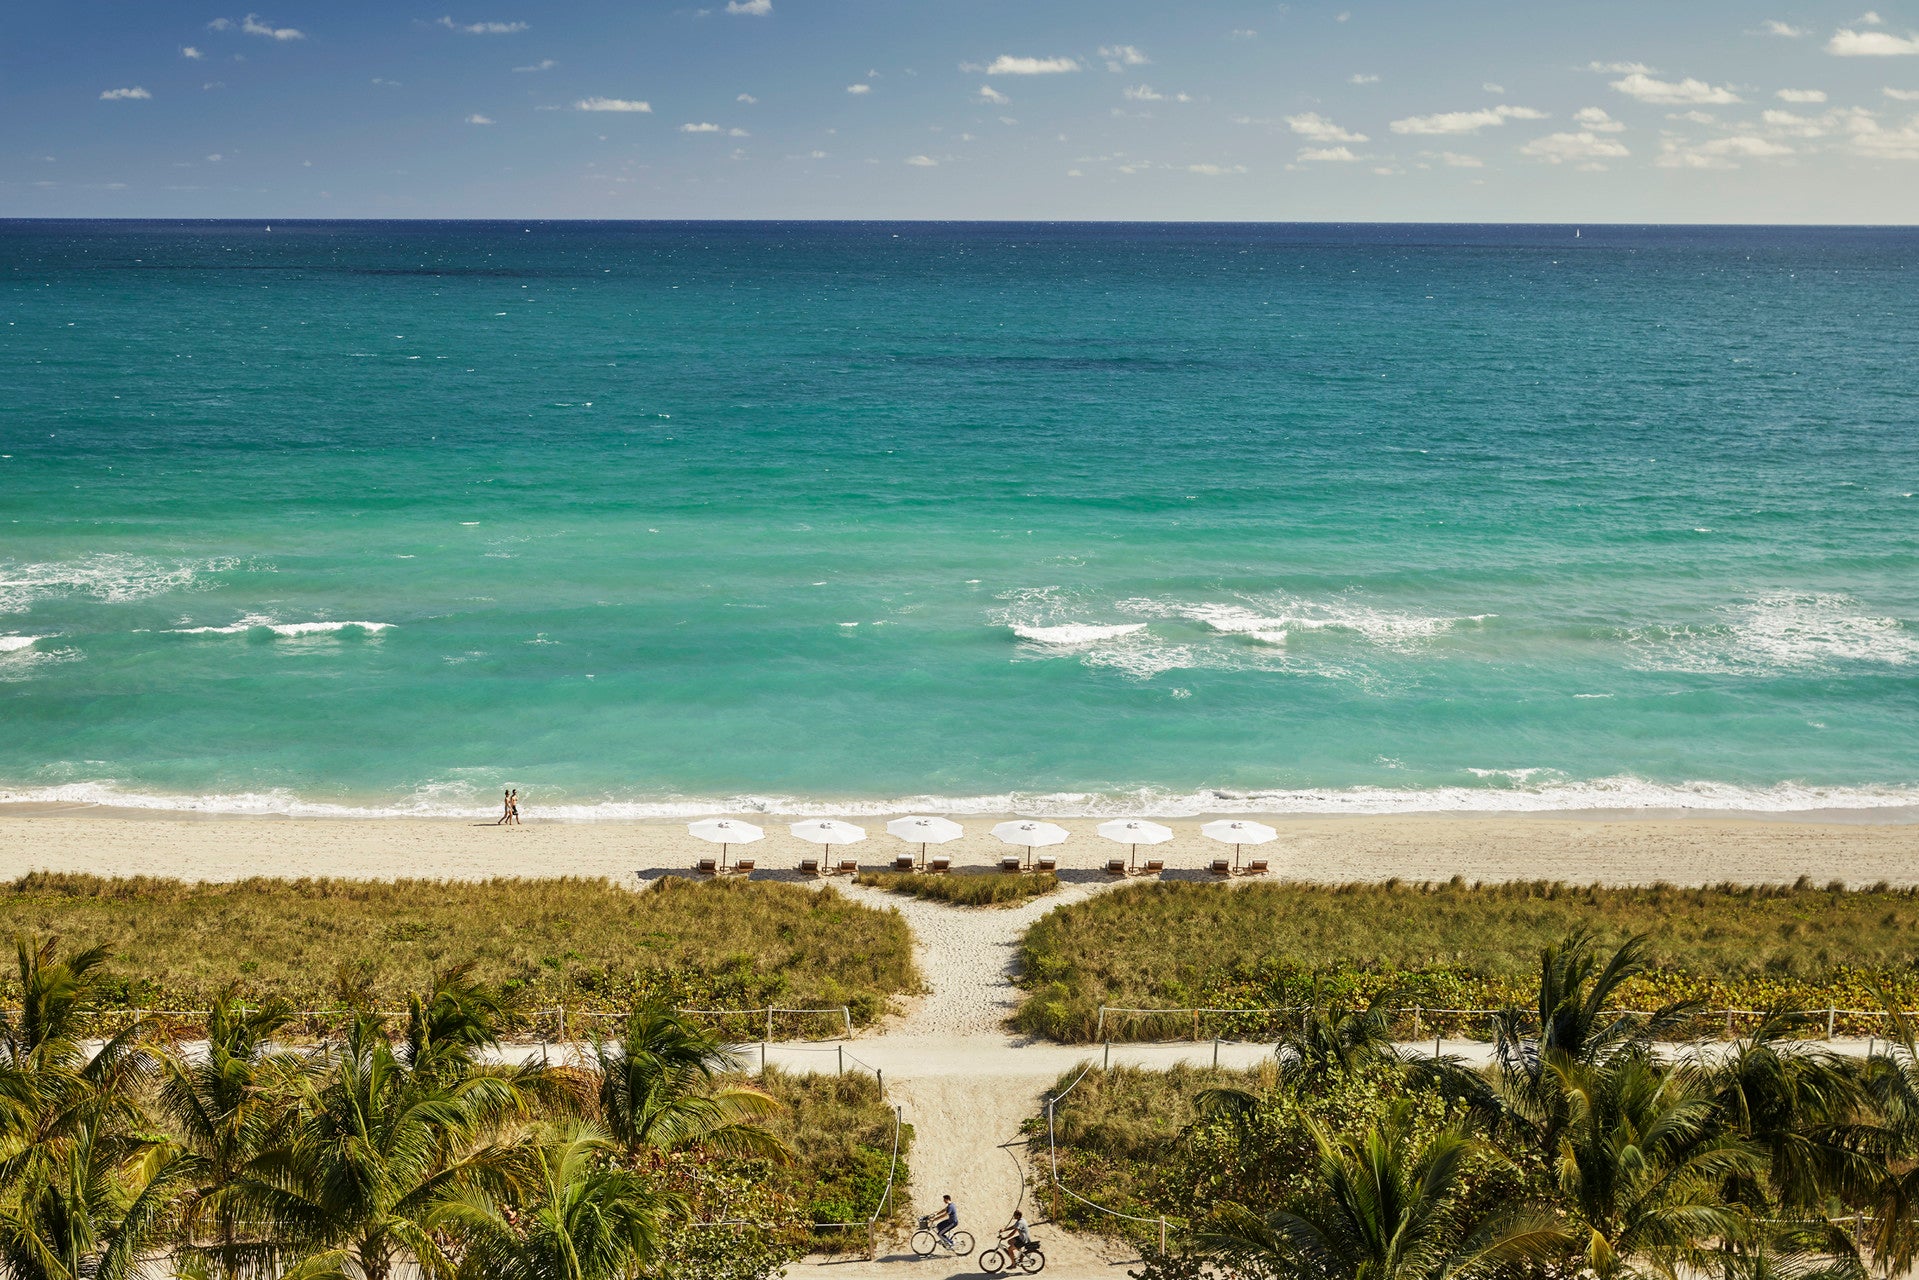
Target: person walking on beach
point(510, 809)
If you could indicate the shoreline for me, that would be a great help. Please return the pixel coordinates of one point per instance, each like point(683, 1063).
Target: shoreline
point(1634, 848)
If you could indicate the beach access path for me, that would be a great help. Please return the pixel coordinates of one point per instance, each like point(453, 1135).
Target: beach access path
point(962, 1081)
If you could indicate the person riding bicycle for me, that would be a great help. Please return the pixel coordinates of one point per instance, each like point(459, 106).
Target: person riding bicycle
point(1018, 1236)
point(946, 1222)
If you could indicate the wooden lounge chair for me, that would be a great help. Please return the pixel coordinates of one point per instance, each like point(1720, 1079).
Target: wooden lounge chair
point(939, 865)
point(904, 862)
point(1046, 864)
point(1116, 866)
point(849, 867)
point(744, 866)
point(1153, 867)
point(708, 866)
point(1257, 867)
point(1221, 867)
point(1009, 863)
point(809, 866)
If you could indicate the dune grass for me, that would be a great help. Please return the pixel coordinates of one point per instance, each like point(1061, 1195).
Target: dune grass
point(1453, 946)
point(992, 889)
point(582, 944)
point(840, 1130)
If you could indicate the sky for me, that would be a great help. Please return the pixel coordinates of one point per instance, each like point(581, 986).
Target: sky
point(1623, 111)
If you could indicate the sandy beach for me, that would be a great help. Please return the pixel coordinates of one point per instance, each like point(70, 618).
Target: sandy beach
point(1606, 849)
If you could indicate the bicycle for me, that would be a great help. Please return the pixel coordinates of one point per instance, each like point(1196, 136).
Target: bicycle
point(1031, 1260)
point(925, 1240)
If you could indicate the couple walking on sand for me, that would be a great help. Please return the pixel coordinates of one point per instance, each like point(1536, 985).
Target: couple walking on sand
point(510, 809)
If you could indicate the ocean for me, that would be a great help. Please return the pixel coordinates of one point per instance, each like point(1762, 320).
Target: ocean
point(666, 518)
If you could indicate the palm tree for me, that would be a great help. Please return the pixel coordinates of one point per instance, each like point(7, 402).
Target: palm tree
point(229, 1106)
point(1641, 1170)
point(1384, 1206)
point(376, 1151)
point(657, 1093)
point(578, 1216)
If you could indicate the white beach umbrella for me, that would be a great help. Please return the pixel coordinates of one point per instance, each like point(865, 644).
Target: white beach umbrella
point(724, 832)
point(1134, 832)
point(1031, 834)
point(1236, 832)
point(828, 831)
point(925, 831)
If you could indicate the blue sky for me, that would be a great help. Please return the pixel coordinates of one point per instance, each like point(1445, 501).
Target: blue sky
point(1622, 111)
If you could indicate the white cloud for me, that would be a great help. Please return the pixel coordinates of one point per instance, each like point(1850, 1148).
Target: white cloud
point(544, 64)
point(738, 133)
point(1490, 87)
point(1007, 65)
point(124, 95)
point(1801, 95)
point(1876, 143)
point(1584, 148)
point(1119, 57)
point(857, 89)
point(1243, 33)
point(214, 84)
point(220, 24)
point(1902, 95)
point(477, 118)
point(611, 104)
point(702, 127)
point(1797, 126)
point(747, 98)
point(1454, 160)
point(1320, 129)
point(1871, 18)
point(1720, 153)
point(483, 28)
point(1215, 170)
point(385, 83)
point(987, 93)
point(1620, 68)
point(922, 162)
point(1464, 121)
point(1694, 117)
point(188, 51)
point(1146, 93)
point(1774, 27)
point(215, 158)
point(752, 8)
point(252, 25)
point(1847, 43)
point(1596, 119)
point(1361, 77)
point(1330, 155)
point(1674, 93)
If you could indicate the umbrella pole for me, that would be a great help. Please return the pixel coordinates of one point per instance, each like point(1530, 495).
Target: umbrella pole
point(722, 855)
point(1235, 859)
point(1132, 855)
point(922, 856)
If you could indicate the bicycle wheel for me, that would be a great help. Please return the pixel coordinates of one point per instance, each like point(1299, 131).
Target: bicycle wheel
point(962, 1243)
point(923, 1242)
point(1032, 1262)
point(992, 1261)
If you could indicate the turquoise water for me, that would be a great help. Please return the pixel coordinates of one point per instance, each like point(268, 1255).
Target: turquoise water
point(653, 518)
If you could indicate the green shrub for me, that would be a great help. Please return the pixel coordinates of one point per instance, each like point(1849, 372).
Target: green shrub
point(990, 889)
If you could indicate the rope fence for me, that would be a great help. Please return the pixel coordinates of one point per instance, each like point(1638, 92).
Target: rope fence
point(1052, 1157)
point(756, 1023)
point(1430, 1020)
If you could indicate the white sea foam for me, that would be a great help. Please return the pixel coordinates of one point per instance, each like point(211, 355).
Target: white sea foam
point(1076, 633)
point(1620, 795)
point(110, 577)
point(290, 630)
point(12, 644)
point(1782, 632)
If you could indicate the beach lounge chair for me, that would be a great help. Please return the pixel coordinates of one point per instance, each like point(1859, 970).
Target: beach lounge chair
point(849, 867)
point(1221, 867)
point(708, 866)
point(1154, 867)
point(809, 866)
point(939, 865)
point(1257, 867)
point(1046, 864)
point(1116, 866)
point(744, 866)
point(904, 862)
point(1009, 863)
